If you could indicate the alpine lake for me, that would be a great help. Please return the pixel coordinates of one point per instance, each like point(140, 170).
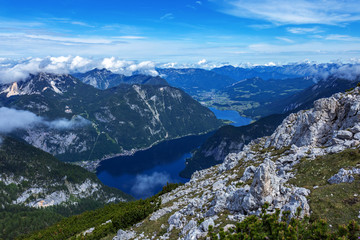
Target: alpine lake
point(144, 173)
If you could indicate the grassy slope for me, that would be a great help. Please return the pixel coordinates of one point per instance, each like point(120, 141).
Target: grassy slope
point(335, 203)
point(338, 203)
point(122, 215)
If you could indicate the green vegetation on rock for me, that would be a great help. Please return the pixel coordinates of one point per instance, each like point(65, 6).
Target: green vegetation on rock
point(274, 226)
point(24, 167)
point(105, 221)
point(337, 203)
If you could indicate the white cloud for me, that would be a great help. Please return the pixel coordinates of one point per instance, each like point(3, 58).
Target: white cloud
point(13, 119)
point(304, 48)
point(339, 37)
point(201, 62)
point(11, 70)
point(81, 24)
point(330, 12)
point(351, 72)
point(198, 2)
point(64, 124)
point(17, 71)
point(129, 37)
point(167, 16)
point(84, 40)
point(298, 30)
point(146, 184)
point(285, 39)
point(129, 67)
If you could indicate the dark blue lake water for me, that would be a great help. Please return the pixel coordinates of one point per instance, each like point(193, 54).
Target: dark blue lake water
point(231, 115)
point(144, 173)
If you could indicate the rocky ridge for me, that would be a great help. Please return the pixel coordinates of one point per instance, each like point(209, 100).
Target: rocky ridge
point(226, 193)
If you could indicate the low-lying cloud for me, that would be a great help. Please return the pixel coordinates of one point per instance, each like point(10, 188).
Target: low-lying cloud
point(351, 72)
point(146, 185)
point(12, 71)
point(13, 119)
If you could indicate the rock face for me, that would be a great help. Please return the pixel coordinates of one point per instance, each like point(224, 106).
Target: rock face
point(124, 235)
point(261, 171)
point(344, 176)
point(332, 120)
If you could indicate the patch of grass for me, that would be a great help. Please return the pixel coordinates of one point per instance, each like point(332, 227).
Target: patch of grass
point(223, 220)
point(278, 152)
point(316, 172)
point(337, 203)
point(149, 228)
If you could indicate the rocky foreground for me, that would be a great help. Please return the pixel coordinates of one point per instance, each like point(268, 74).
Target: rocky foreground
point(262, 172)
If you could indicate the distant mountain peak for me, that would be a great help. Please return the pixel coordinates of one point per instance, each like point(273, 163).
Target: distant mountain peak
point(104, 79)
point(38, 83)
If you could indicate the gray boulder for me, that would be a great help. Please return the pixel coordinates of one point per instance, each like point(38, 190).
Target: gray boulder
point(124, 235)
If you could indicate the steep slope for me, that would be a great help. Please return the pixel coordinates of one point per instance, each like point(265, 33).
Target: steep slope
point(31, 180)
point(104, 79)
point(325, 139)
point(121, 119)
point(310, 165)
point(231, 139)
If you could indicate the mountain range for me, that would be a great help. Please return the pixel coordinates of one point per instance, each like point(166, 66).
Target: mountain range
point(308, 166)
point(116, 120)
point(98, 114)
point(104, 79)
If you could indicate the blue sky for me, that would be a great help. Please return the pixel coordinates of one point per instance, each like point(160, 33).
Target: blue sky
point(186, 31)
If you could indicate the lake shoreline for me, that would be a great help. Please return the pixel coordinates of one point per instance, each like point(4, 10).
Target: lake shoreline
point(92, 165)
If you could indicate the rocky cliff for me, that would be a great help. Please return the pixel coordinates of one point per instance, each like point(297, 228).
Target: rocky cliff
point(323, 141)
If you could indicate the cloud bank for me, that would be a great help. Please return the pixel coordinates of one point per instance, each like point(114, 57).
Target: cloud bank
point(13, 119)
point(17, 70)
point(11, 71)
